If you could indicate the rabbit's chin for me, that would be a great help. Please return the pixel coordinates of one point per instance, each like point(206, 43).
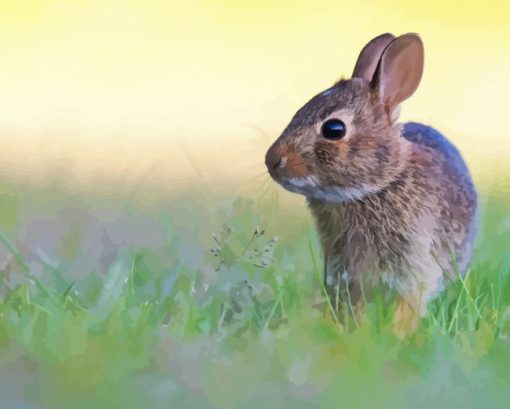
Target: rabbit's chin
point(309, 187)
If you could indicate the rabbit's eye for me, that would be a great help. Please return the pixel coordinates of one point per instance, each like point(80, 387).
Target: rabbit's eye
point(333, 129)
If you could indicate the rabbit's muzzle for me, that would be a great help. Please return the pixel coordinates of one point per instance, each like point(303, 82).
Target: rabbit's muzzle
point(283, 163)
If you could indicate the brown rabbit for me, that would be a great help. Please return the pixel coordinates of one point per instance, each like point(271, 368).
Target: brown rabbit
point(392, 202)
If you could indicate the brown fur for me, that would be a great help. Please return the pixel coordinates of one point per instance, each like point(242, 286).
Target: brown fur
point(391, 202)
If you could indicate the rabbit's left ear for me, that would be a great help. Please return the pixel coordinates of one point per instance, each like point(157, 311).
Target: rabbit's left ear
point(370, 55)
point(400, 70)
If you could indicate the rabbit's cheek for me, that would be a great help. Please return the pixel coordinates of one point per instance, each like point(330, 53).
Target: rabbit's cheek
point(326, 153)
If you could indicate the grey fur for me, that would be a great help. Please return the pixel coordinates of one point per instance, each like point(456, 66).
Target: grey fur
point(391, 202)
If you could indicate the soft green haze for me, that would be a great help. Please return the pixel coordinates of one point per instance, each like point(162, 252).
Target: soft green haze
point(171, 325)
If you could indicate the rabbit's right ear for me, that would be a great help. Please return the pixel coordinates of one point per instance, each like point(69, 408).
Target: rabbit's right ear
point(400, 70)
point(370, 55)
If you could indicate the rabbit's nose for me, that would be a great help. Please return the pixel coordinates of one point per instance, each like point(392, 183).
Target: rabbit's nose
point(276, 165)
point(275, 160)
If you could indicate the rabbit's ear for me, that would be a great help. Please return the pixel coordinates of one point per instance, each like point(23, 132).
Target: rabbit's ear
point(370, 55)
point(400, 70)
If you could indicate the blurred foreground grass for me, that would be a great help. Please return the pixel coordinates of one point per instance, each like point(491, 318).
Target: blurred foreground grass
point(217, 303)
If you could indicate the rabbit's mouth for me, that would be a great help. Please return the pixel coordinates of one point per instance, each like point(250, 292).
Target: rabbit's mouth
point(304, 185)
point(309, 186)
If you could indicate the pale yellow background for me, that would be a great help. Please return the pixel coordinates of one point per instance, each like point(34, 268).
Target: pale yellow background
point(163, 93)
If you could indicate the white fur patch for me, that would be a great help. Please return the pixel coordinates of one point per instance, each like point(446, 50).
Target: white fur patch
point(310, 187)
point(339, 194)
point(308, 181)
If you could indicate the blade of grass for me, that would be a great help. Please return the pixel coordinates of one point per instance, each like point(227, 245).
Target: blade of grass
point(14, 251)
point(317, 272)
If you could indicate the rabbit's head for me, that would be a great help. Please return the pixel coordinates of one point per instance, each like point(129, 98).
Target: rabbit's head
point(345, 142)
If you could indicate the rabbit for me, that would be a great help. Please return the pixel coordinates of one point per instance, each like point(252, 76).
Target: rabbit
point(392, 203)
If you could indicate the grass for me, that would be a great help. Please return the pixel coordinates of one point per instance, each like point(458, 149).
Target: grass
point(228, 311)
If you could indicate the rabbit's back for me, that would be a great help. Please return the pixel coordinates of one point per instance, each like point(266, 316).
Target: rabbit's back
point(458, 204)
point(431, 139)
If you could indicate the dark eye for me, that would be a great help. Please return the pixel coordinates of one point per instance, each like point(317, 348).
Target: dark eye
point(333, 129)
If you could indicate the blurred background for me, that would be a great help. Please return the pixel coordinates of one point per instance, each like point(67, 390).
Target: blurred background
point(133, 189)
point(152, 96)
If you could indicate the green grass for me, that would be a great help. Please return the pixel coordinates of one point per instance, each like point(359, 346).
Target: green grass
point(230, 312)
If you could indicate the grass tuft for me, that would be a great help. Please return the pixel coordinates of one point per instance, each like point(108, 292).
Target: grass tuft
point(228, 315)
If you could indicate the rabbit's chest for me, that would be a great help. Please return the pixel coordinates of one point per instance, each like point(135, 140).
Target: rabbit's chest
point(369, 246)
point(380, 243)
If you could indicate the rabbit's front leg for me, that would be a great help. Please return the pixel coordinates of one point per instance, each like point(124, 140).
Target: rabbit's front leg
point(410, 308)
point(341, 287)
point(407, 316)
